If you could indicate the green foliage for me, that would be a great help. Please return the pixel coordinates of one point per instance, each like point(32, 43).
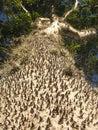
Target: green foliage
point(86, 16)
point(60, 9)
point(74, 47)
point(22, 13)
point(1, 5)
point(85, 51)
point(35, 15)
point(18, 21)
point(21, 24)
point(85, 54)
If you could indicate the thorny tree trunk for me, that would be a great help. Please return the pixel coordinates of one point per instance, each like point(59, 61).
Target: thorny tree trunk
point(44, 94)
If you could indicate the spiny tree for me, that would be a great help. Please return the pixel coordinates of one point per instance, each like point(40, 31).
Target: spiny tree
point(75, 21)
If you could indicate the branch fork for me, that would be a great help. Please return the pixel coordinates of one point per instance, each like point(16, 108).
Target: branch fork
point(59, 24)
point(65, 26)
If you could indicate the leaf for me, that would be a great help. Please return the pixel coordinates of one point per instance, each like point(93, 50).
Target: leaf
point(90, 1)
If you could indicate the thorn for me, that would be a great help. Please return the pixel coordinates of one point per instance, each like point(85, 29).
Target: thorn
point(49, 122)
point(31, 111)
point(71, 119)
point(35, 116)
point(40, 119)
point(67, 122)
point(39, 128)
point(47, 127)
point(32, 125)
point(60, 121)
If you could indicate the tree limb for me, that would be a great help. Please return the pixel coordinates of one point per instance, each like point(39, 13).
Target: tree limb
point(69, 12)
point(53, 16)
point(87, 33)
point(96, 6)
point(81, 34)
point(25, 9)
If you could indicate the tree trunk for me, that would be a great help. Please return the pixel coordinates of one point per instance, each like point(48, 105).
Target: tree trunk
point(42, 88)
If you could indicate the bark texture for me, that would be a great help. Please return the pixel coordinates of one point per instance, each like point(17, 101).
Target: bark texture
point(44, 90)
point(47, 92)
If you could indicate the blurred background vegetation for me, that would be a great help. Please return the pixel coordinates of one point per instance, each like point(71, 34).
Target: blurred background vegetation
point(17, 18)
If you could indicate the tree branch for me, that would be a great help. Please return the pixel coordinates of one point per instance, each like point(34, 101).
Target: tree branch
point(87, 33)
point(69, 12)
point(53, 15)
point(25, 9)
point(81, 34)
